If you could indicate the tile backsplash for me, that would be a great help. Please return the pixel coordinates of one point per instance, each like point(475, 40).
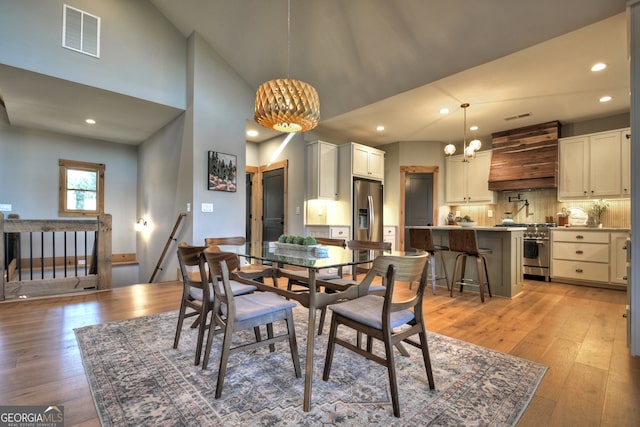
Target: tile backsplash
point(542, 204)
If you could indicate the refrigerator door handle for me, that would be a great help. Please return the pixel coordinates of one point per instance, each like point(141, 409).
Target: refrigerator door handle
point(371, 215)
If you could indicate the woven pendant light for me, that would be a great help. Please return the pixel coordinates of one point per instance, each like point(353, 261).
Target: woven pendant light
point(287, 105)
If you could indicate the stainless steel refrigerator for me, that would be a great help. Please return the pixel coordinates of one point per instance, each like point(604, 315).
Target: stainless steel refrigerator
point(367, 210)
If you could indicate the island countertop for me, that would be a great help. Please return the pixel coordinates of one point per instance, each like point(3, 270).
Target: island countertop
point(504, 262)
point(478, 227)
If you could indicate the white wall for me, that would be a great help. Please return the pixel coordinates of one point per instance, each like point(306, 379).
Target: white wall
point(29, 179)
point(414, 153)
point(142, 54)
point(173, 163)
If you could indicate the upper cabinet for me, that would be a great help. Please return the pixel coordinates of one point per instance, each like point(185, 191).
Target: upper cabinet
point(594, 166)
point(468, 182)
point(625, 159)
point(367, 162)
point(322, 170)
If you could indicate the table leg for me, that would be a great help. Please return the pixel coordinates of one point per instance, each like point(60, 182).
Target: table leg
point(308, 370)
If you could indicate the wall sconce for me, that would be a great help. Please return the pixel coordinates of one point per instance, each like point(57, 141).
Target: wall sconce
point(141, 224)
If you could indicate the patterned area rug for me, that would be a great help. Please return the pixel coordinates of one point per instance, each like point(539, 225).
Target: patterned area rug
point(137, 379)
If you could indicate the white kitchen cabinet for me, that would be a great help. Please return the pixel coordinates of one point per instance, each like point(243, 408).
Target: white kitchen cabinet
point(593, 166)
point(625, 161)
point(322, 170)
point(618, 258)
point(340, 232)
point(329, 231)
point(579, 255)
point(468, 182)
point(389, 235)
point(318, 231)
point(367, 162)
point(583, 256)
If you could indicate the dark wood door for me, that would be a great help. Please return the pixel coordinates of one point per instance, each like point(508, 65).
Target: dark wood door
point(418, 205)
point(272, 204)
point(249, 217)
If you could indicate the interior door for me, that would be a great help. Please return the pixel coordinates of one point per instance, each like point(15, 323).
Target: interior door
point(249, 216)
point(273, 204)
point(418, 202)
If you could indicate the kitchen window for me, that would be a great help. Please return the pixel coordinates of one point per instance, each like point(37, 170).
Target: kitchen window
point(81, 190)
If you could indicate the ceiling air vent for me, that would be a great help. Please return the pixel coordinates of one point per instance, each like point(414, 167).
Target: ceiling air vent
point(81, 31)
point(518, 116)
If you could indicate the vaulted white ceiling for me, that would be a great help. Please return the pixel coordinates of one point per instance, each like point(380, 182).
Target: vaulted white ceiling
point(397, 62)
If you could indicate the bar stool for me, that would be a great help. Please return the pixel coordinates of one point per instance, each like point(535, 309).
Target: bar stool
point(422, 238)
point(466, 242)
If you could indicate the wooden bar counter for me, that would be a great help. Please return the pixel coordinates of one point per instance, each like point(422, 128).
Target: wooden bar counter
point(505, 263)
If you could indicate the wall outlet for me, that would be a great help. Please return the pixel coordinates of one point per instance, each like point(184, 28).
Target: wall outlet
point(207, 207)
point(490, 213)
point(297, 210)
point(457, 214)
point(188, 207)
point(5, 207)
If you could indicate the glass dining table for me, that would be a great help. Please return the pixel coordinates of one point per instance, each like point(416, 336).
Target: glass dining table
point(311, 298)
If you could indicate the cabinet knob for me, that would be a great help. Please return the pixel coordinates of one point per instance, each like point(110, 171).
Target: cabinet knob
point(579, 252)
point(579, 236)
point(579, 270)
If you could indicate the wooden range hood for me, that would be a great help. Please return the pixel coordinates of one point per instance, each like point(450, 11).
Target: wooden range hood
point(525, 158)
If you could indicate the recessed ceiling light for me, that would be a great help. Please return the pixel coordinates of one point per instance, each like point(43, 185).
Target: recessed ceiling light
point(252, 133)
point(605, 99)
point(599, 66)
point(90, 121)
point(474, 127)
point(444, 111)
point(380, 128)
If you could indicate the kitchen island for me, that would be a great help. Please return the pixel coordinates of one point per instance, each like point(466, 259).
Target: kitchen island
point(505, 263)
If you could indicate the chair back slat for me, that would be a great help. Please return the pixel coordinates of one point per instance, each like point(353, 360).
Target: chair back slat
point(213, 259)
point(408, 268)
point(368, 245)
point(222, 241)
point(331, 242)
point(464, 241)
point(421, 238)
point(189, 256)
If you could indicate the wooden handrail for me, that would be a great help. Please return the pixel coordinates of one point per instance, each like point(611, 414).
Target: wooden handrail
point(181, 215)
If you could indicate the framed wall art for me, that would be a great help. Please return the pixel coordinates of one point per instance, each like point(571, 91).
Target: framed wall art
point(222, 172)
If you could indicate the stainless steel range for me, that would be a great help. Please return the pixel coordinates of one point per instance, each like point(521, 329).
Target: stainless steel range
point(536, 255)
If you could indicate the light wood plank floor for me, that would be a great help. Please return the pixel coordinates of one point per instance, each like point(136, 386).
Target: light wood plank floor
point(577, 331)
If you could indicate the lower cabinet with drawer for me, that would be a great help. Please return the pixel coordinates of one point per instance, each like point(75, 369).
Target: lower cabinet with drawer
point(583, 257)
point(329, 231)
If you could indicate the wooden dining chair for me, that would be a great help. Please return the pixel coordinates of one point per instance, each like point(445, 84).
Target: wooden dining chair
point(197, 294)
point(236, 313)
point(300, 277)
point(342, 283)
point(385, 319)
point(363, 245)
point(255, 271)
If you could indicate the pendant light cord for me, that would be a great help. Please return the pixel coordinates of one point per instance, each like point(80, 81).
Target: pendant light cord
point(288, 38)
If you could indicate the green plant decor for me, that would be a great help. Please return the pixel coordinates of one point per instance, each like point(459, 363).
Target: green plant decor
point(598, 208)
